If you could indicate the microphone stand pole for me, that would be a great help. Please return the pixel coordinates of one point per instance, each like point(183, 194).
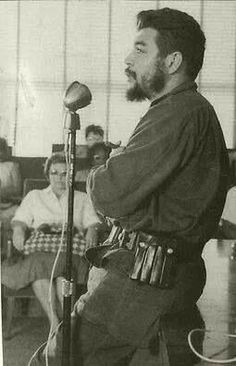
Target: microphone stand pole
point(67, 288)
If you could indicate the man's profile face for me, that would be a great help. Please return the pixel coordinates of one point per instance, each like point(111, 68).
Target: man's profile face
point(93, 138)
point(145, 72)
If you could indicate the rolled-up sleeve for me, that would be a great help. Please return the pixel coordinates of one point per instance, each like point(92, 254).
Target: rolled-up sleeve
point(24, 213)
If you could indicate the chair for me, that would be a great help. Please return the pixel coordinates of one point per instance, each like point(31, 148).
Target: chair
point(27, 292)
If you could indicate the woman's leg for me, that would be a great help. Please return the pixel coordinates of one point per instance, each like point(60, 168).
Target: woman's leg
point(41, 290)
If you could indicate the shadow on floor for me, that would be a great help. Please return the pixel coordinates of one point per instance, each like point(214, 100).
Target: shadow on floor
point(27, 335)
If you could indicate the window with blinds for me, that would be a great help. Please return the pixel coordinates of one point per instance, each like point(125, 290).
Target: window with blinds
point(45, 45)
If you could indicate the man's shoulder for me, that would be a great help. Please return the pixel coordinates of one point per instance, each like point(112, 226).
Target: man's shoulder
point(33, 195)
point(176, 113)
point(182, 104)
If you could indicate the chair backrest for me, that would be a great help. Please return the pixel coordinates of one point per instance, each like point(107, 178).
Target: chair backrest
point(30, 184)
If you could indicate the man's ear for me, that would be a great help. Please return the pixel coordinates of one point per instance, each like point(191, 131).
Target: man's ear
point(173, 62)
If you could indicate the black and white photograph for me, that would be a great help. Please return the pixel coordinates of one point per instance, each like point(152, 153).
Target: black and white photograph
point(118, 182)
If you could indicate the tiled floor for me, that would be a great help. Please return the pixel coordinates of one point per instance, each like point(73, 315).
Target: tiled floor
point(217, 306)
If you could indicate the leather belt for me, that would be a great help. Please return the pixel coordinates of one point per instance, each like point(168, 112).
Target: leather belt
point(155, 257)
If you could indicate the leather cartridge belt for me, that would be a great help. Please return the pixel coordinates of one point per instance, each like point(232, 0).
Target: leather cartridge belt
point(155, 257)
point(183, 251)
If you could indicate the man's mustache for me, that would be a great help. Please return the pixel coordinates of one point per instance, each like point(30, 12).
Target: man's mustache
point(130, 73)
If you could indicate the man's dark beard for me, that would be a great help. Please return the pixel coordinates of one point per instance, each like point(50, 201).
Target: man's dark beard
point(135, 93)
point(138, 93)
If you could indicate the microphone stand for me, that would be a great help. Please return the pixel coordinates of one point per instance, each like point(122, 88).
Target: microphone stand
point(68, 285)
point(76, 96)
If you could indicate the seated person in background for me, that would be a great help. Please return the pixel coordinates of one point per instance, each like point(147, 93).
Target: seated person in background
point(10, 184)
point(93, 134)
point(227, 228)
point(98, 153)
point(48, 207)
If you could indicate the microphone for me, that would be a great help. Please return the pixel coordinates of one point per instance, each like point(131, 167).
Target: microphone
point(77, 96)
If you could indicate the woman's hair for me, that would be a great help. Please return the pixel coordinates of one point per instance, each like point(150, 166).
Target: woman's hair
point(54, 159)
point(177, 31)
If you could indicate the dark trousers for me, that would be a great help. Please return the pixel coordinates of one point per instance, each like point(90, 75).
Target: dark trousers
point(93, 346)
point(120, 321)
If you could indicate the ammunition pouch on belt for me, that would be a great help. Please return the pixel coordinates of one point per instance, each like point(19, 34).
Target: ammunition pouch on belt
point(155, 258)
point(155, 262)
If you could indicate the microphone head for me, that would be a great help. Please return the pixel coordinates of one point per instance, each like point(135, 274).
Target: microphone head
point(77, 96)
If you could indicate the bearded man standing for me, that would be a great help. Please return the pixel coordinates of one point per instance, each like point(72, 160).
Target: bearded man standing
point(167, 191)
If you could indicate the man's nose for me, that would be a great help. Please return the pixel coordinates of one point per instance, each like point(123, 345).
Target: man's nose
point(129, 60)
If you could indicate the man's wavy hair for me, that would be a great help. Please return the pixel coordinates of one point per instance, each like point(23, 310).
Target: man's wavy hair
point(178, 31)
point(54, 159)
point(96, 129)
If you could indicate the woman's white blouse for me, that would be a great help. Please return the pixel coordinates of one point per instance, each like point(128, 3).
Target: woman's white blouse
point(43, 207)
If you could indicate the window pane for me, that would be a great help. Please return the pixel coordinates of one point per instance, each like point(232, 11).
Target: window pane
point(39, 123)
point(7, 107)
point(87, 43)
point(190, 7)
point(40, 77)
point(41, 40)
point(8, 40)
point(219, 26)
point(223, 102)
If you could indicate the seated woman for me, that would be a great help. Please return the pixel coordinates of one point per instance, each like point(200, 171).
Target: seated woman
point(227, 228)
point(47, 207)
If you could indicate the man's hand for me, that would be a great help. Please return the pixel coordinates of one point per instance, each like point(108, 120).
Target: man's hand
point(116, 151)
point(92, 236)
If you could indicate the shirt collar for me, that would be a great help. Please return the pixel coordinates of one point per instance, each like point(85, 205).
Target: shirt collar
point(49, 191)
point(187, 85)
